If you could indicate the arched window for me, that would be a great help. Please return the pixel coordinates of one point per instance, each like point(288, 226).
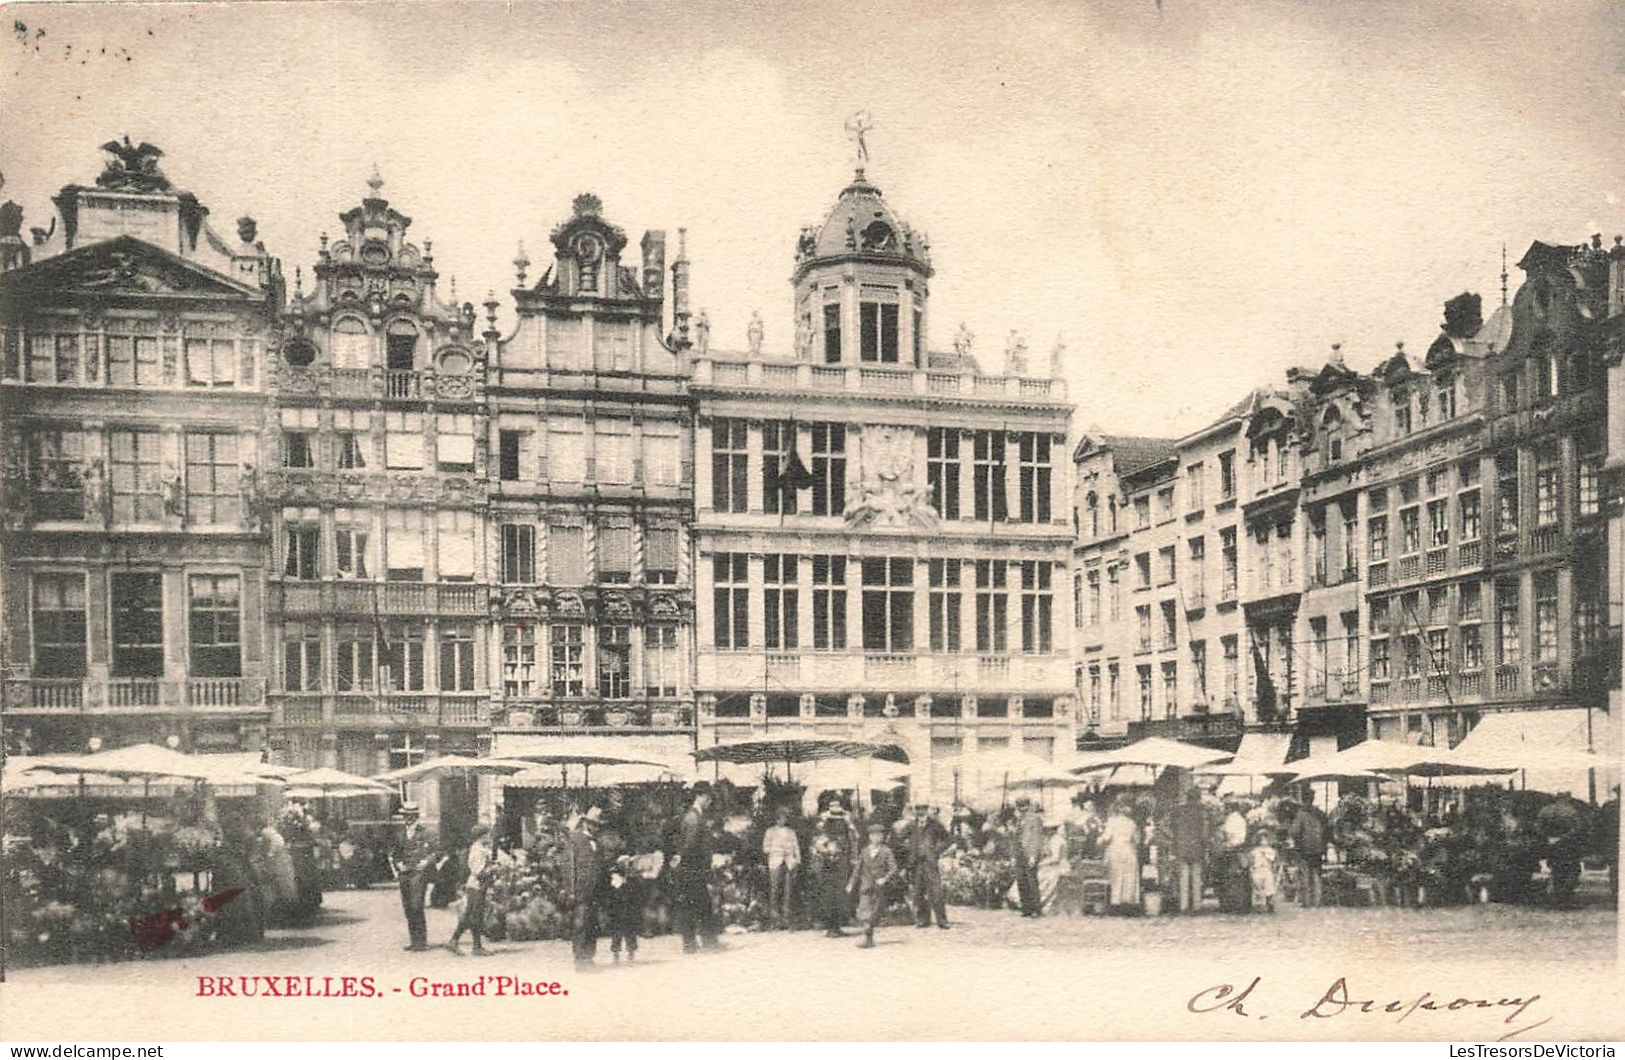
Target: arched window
point(351, 346)
point(1093, 504)
point(401, 339)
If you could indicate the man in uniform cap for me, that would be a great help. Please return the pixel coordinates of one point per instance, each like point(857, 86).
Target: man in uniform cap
point(416, 853)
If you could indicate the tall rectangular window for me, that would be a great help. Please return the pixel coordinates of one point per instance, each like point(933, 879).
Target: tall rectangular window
point(403, 441)
point(1037, 607)
point(136, 488)
point(403, 656)
point(55, 471)
point(612, 451)
point(353, 438)
point(1144, 675)
point(350, 538)
point(730, 587)
point(1547, 460)
point(215, 625)
point(59, 625)
point(780, 602)
point(1170, 689)
point(1410, 534)
point(987, 455)
point(1142, 617)
point(729, 466)
point(1195, 479)
point(566, 555)
point(301, 548)
point(454, 441)
point(1092, 578)
point(355, 649)
point(942, 470)
point(660, 555)
point(212, 473)
point(1114, 595)
point(455, 544)
point(301, 657)
point(662, 459)
point(992, 606)
point(567, 450)
point(943, 575)
point(210, 362)
point(832, 332)
point(1170, 625)
point(518, 553)
point(299, 449)
point(1114, 689)
point(829, 603)
point(1199, 663)
point(1227, 475)
point(1508, 620)
point(778, 440)
point(1506, 493)
point(878, 331)
point(1438, 524)
point(615, 661)
point(1376, 533)
point(1034, 477)
point(1227, 562)
point(1467, 505)
point(615, 554)
point(888, 604)
point(132, 360)
point(566, 643)
point(1230, 648)
point(518, 660)
point(510, 454)
point(1197, 571)
point(404, 552)
point(661, 665)
point(828, 468)
point(1545, 618)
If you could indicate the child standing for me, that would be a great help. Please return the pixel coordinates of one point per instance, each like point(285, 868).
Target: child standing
point(624, 899)
point(1262, 865)
point(876, 868)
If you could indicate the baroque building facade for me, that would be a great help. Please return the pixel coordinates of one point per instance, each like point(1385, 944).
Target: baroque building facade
point(591, 493)
point(881, 541)
point(378, 609)
point(132, 400)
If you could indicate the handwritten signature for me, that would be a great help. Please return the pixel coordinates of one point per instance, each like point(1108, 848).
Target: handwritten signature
point(1338, 1001)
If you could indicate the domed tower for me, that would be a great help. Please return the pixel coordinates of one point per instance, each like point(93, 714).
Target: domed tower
point(862, 282)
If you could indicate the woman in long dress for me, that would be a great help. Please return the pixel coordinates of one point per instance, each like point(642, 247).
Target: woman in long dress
point(1052, 867)
point(1121, 841)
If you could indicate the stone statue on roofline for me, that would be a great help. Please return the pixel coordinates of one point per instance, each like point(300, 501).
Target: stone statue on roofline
point(963, 339)
point(1015, 354)
point(702, 333)
point(1057, 357)
point(754, 333)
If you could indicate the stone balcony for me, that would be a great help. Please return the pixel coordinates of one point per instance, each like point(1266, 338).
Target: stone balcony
point(372, 709)
point(363, 598)
point(715, 373)
point(595, 715)
point(134, 695)
point(811, 671)
point(323, 380)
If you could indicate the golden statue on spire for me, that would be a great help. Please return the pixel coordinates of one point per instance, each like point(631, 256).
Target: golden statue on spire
point(858, 126)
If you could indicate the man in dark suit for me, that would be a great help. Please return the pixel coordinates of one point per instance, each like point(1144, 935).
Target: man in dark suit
point(923, 838)
point(416, 852)
point(691, 874)
point(583, 873)
point(1029, 847)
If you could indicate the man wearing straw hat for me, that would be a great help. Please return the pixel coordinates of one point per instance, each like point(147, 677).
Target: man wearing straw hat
point(415, 855)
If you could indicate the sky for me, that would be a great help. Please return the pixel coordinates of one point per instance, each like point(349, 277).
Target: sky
point(1193, 196)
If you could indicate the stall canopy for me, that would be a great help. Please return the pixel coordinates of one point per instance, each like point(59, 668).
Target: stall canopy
point(1260, 756)
point(790, 746)
point(1157, 752)
point(1552, 750)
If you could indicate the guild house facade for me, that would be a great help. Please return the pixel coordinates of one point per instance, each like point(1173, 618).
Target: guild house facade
point(881, 533)
point(132, 412)
point(1412, 553)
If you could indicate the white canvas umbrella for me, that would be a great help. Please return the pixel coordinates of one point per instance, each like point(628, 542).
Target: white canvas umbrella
point(797, 745)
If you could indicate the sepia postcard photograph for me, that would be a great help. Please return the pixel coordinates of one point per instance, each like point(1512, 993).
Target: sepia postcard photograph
point(1095, 521)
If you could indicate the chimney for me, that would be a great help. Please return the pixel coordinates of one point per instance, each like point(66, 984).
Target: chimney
point(14, 253)
point(654, 265)
point(679, 294)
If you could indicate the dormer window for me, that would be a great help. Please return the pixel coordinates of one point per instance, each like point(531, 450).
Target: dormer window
point(879, 236)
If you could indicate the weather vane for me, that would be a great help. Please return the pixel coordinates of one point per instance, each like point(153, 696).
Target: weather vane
point(858, 125)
